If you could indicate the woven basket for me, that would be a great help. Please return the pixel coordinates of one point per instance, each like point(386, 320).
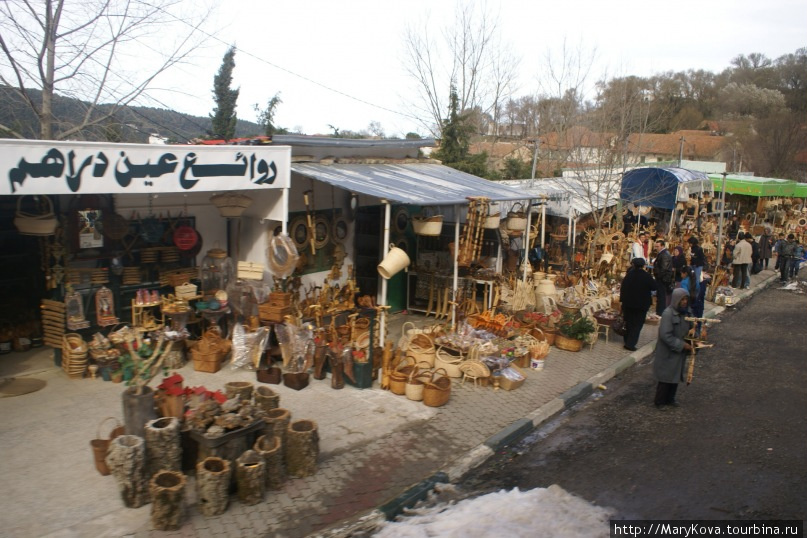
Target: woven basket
point(36, 224)
point(428, 226)
point(437, 390)
point(400, 375)
point(415, 383)
point(516, 218)
point(231, 204)
point(185, 291)
point(568, 344)
point(421, 349)
point(450, 362)
point(74, 355)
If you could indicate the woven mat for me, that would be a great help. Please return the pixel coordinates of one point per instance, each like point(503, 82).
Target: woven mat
point(13, 386)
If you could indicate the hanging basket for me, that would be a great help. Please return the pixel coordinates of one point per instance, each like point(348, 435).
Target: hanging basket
point(231, 204)
point(428, 226)
point(36, 224)
point(517, 218)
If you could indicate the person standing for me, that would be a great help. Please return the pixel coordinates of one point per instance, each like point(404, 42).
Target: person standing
point(777, 248)
point(665, 276)
point(697, 258)
point(756, 263)
point(637, 249)
point(679, 260)
point(671, 349)
point(741, 261)
point(786, 250)
point(635, 295)
point(795, 260)
point(765, 247)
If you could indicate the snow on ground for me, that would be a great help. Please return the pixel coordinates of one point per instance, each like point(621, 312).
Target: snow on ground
point(547, 512)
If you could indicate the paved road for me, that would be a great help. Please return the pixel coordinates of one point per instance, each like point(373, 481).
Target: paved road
point(734, 449)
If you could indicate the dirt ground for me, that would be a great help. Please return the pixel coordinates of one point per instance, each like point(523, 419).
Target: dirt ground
point(736, 448)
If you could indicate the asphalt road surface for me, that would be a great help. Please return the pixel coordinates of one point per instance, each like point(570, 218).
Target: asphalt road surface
point(735, 449)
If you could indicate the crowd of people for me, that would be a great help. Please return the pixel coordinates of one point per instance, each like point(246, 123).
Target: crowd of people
point(680, 289)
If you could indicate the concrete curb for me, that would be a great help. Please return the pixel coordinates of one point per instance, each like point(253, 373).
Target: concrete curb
point(518, 429)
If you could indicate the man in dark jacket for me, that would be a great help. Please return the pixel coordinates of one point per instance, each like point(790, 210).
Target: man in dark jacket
point(635, 294)
point(698, 257)
point(664, 275)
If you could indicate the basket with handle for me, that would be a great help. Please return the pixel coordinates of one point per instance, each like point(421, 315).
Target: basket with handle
point(185, 291)
point(100, 445)
point(74, 355)
point(36, 223)
point(448, 361)
point(400, 375)
point(516, 217)
point(415, 383)
point(437, 390)
point(421, 349)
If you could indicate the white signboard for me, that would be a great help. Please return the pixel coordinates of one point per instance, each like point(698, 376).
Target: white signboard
point(51, 167)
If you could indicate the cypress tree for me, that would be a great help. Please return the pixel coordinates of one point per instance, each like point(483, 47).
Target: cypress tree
point(223, 117)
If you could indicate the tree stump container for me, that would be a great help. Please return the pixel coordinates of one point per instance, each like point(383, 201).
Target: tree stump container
point(319, 361)
point(275, 423)
point(242, 389)
point(270, 448)
point(301, 448)
point(213, 485)
point(163, 445)
point(138, 409)
point(127, 464)
point(266, 398)
point(249, 476)
point(167, 490)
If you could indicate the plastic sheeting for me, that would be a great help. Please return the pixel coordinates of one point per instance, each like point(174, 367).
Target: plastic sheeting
point(662, 187)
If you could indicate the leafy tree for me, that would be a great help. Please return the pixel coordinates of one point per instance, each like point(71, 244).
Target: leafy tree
point(80, 50)
point(223, 116)
point(266, 117)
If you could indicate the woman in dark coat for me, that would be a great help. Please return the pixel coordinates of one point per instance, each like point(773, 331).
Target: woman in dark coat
point(765, 247)
point(635, 294)
point(671, 348)
point(679, 260)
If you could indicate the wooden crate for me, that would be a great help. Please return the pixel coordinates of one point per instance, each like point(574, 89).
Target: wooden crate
point(279, 299)
point(273, 314)
point(250, 270)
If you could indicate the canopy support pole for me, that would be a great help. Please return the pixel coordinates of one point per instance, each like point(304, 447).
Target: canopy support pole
point(719, 253)
point(527, 240)
point(455, 281)
point(384, 281)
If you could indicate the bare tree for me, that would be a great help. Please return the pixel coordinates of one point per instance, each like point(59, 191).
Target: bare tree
point(470, 55)
point(89, 51)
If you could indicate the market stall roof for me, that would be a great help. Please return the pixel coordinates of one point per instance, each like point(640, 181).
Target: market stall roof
point(580, 194)
point(424, 184)
point(754, 186)
point(662, 187)
point(800, 190)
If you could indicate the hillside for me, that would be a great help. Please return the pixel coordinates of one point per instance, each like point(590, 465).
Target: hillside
point(131, 124)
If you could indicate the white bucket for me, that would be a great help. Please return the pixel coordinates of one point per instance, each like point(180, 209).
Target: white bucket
point(395, 260)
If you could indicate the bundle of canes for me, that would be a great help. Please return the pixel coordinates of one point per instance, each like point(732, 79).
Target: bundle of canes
point(471, 242)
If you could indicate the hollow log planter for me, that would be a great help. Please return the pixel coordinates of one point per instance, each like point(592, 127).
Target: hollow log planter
point(301, 448)
point(249, 477)
point(266, 398)
point(242, 389)
point(127, 464)
point(163, 445)
point(275, 423)
point(270, 448)
point(213, 485)
point(167, 490)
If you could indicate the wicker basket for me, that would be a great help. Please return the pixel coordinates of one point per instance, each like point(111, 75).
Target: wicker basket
point(421, 349)
point(74, 355)
point(36, 224)
point(415, 383)
point(449, 360)
point(428, 226)
point(437, 390)
point(231, 204)
point(400, 375)
point(516, 218)
point(185, 291)
point(568, 344)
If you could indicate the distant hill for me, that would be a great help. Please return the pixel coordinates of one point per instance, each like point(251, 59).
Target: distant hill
point(131, 124)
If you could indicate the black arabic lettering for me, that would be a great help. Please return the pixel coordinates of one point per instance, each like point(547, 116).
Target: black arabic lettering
point(74, 176)
point(166, 164)
point(187, 164)
point(264, 170)
point(101, 163)
point(51, 165)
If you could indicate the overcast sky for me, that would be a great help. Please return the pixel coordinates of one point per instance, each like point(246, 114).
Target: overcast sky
point(340, 62)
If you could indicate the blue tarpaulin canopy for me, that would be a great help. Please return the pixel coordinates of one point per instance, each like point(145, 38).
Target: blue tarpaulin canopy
point(662, 187)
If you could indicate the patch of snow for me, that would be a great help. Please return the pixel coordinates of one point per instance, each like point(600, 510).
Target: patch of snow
point(547, 512)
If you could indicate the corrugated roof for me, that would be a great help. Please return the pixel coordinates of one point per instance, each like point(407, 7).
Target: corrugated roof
point(415, 183)
point(582, 194)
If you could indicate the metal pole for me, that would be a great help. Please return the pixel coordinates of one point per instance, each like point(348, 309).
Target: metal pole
point(387, 218)
point(681, 151)
point(284, 224)
point(720, 221)
point(543, 224)
point(527, 240)
point(455, 281)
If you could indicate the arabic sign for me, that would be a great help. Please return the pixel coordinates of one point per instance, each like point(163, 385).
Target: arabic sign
point(50, 167)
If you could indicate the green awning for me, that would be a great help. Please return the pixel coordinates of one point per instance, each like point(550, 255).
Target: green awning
point(754, 186)
point(800, 190)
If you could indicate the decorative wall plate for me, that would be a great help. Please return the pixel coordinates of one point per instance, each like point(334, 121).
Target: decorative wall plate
point(400, 220)
point(322, 232)
point(299, 232)
point(339, 230)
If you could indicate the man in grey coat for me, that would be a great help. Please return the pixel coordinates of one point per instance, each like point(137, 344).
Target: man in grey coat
point(671, 348)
